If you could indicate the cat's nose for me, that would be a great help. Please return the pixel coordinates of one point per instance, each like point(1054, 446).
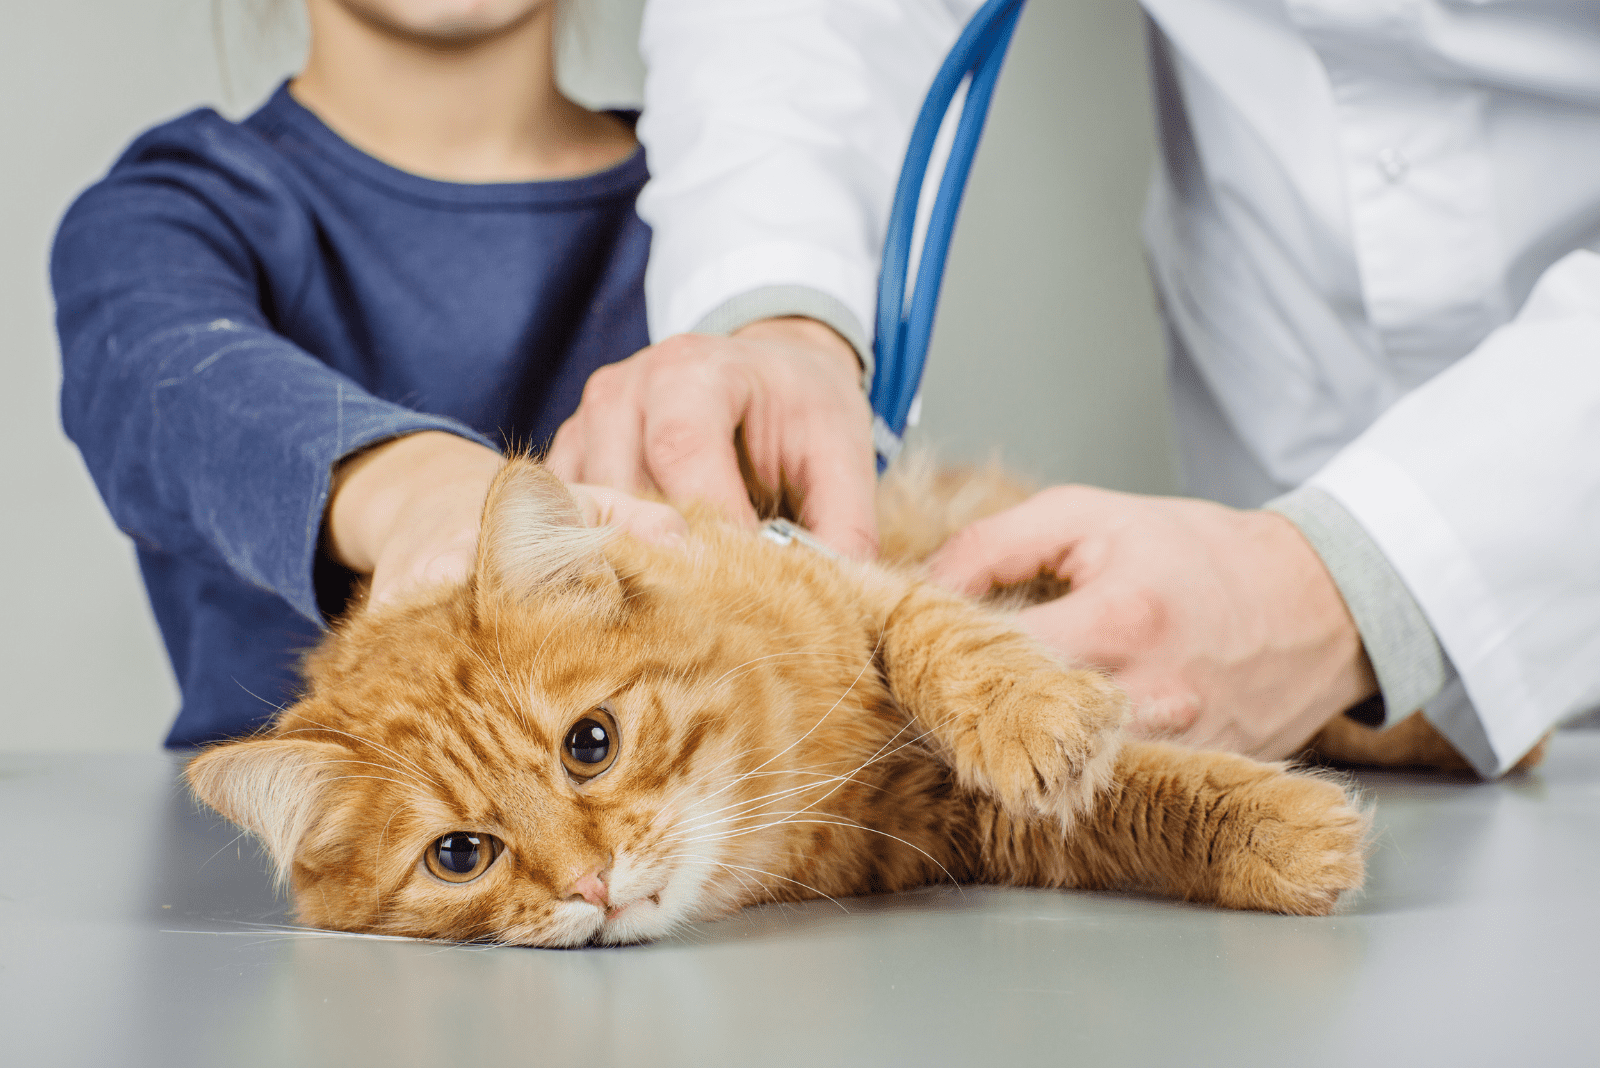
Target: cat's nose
point(591, 886)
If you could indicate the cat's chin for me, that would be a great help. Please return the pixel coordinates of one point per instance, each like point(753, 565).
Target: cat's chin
point(580, 924)
point(640, 920)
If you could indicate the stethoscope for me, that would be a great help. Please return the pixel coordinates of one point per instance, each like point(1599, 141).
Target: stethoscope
point(905, 327)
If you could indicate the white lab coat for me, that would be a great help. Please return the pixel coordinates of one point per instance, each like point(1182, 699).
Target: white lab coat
point(1374, 235)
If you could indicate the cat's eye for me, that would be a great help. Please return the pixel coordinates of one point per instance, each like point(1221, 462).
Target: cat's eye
point(461, 856)
point(590, 746)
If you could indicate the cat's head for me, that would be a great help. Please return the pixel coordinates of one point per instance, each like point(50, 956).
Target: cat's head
point(578, 745)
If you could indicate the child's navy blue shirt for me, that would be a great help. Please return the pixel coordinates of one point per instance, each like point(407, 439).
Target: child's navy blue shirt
point(243, 305)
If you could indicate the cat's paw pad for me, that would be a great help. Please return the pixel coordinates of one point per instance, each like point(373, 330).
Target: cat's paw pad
point(1049, 749)
point(1304, 845)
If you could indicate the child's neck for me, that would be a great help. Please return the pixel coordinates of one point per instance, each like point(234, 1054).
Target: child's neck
point(483, 111)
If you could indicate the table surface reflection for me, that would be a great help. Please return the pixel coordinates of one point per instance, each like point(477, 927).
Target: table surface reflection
point(137, 930)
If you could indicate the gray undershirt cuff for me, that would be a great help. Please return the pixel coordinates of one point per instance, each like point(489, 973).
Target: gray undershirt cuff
point(1405, 653)
point(772, 302)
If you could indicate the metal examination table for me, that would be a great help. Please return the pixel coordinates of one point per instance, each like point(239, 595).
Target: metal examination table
point(133, 932)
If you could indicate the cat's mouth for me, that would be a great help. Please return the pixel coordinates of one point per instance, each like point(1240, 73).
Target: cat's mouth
point(617, 911)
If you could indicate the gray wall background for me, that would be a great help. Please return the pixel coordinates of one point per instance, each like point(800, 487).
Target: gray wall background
point(1047, 345)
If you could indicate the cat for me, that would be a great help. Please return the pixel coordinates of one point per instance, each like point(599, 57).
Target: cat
point(594, 740)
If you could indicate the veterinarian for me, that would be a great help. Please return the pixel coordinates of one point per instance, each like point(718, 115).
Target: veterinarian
point(1371, 232)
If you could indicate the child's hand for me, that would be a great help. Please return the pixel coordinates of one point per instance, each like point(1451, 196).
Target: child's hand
point(664, 419)
point(407, 511)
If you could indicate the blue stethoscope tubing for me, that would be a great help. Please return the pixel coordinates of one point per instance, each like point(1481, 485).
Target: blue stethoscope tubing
point(904, 329)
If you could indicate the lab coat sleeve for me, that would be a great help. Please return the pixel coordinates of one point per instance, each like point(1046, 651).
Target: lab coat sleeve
point(1482, 488)
point(1406, 658)
point(775, 131)
point(207, 433)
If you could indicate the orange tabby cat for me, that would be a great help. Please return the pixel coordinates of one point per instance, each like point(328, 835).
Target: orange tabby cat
point(596, 740)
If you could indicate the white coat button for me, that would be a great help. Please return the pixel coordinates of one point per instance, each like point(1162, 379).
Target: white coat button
point(1392, 165)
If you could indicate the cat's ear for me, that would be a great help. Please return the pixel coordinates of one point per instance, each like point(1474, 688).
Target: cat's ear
point(271, 787)
point(534, 538)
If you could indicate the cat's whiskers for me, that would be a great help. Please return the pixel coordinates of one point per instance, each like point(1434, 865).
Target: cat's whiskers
point(695, 697)
point(809, 769)
point(276, 708)
point(749, 889)
point(713, 827)
point(840, 780)
point(288, 932)
point(746, 883)
point(709, 773)
point(708, 826)
point(709, 683)
point(824, 775)
point(774, 795)
point(842, 821)
point(790, 818)
point(695, 694)
point(820, 719)
point(219, 852)
point(774, 875)
point(410, 764)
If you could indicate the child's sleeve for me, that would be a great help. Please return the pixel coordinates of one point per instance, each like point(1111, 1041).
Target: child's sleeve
point(206, 432)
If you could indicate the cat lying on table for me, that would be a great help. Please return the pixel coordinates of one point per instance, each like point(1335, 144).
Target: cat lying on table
point(595, 740)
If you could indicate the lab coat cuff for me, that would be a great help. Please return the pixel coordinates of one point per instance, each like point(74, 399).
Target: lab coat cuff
point(1406, 657)
point(772, 302)
point(1453, 715)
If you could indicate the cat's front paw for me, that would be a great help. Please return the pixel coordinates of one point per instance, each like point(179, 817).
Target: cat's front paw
point(1303, 845)
point(1045, 747)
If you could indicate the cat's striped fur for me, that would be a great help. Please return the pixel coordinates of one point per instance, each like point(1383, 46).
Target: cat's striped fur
point(787, 725)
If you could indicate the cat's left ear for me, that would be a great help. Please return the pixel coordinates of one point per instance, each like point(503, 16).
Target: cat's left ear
point(534, 539)
point(272, 787)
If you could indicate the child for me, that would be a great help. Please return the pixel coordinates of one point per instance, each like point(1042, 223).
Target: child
point(293, 345)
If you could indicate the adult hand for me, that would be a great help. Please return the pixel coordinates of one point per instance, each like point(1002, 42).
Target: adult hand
point(664, 420)
point(1224, 626)
point(407, 511)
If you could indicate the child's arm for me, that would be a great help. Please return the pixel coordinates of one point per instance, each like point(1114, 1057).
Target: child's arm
point(212, 435)
point(207, 433)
